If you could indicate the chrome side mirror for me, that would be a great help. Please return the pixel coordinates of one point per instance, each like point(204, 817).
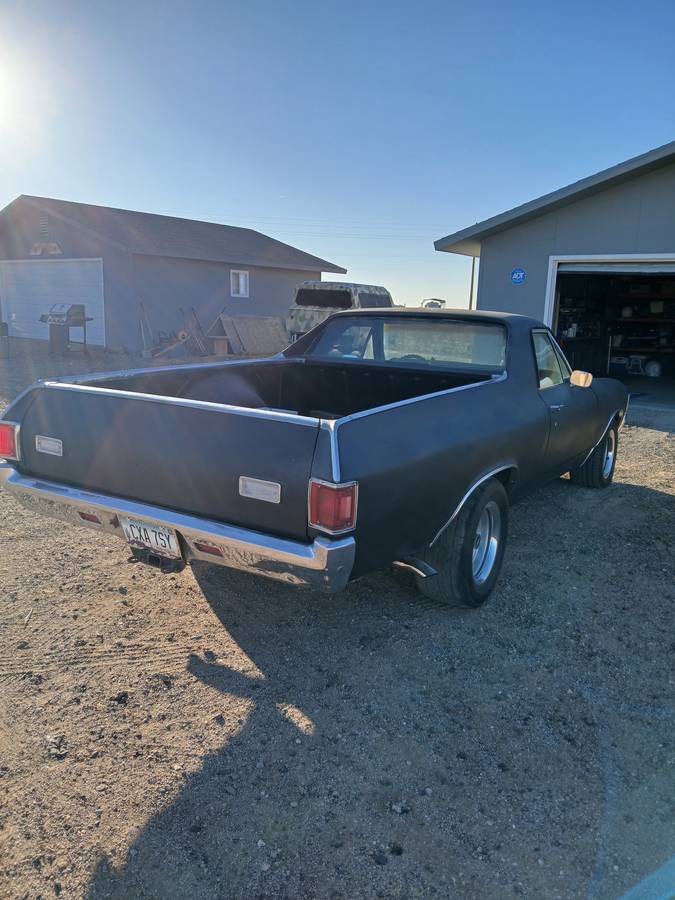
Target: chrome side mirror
point(581, 379)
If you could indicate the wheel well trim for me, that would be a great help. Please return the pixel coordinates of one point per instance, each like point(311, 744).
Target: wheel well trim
point(619, 414)
point(474, 486)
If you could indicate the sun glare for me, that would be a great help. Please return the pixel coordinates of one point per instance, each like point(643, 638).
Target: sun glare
point(5, 96)
point(26, 106)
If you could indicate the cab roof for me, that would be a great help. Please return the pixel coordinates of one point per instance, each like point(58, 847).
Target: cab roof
point(317, 285)
point(511, 320)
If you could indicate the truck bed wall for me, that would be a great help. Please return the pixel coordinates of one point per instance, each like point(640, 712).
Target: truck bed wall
point(308, 388)
point(415, 462)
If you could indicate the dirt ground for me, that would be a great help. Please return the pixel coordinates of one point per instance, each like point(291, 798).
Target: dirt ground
point(212, 735)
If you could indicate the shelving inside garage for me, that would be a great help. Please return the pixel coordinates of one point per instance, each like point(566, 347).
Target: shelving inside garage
point(618, 323)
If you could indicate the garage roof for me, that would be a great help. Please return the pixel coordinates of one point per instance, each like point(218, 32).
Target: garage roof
point(154, 235)
point(468, 241)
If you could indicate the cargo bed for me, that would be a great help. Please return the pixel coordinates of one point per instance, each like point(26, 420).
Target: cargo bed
point(303, 387)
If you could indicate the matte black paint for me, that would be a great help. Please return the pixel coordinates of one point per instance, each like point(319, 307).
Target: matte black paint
point(173, 456)
point(414, 461)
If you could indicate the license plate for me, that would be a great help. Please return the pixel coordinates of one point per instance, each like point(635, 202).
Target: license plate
point(157, 538)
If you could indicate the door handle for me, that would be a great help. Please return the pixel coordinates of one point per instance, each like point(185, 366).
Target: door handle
point(557, 406)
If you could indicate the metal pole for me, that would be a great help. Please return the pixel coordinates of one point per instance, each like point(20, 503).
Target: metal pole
point(473, 272)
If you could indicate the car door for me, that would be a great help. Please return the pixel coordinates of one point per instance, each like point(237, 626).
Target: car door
point(572, 410)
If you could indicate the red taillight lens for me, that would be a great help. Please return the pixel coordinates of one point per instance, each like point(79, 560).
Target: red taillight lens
point(332, 507)
point(207, 548)
point(89, 517)
point(9, 448)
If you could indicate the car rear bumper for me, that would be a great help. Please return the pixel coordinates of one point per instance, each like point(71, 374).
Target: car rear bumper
point(324, 564)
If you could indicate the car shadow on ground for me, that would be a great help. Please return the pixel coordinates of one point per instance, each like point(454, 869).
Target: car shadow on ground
point(396, 749)
point(313, 771)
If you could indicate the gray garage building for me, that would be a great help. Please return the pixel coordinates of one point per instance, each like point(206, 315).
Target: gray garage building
point(112, 260)
point(594, 260)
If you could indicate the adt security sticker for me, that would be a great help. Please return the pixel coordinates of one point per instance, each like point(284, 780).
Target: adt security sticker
point(518, 276)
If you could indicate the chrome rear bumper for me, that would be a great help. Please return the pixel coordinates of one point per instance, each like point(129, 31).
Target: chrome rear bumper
point(324, 564)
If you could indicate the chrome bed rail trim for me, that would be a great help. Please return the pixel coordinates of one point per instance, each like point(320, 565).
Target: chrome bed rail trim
point(332, 426)
point(248, 411)
point(324, 564)
point(169, 367)
point(455, 390)
point(329, 426)
point(77, 383)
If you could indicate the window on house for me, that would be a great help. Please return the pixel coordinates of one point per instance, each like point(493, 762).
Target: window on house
point(239, 283)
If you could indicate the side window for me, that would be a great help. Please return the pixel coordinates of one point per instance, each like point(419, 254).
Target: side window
point(548, 365)
point(239, 283)
point(354, 342)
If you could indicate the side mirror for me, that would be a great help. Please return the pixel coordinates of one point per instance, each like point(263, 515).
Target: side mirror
point(581, 379)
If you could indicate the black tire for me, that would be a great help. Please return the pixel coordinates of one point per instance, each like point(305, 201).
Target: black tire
point(459, 582)
point(598, 470)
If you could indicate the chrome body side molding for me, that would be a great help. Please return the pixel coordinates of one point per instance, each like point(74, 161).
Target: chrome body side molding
point(621, 413)
point(466, 496)
point(323, 564)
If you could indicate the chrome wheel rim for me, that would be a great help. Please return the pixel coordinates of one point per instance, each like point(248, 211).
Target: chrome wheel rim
point(486, 542)
point(610, 451)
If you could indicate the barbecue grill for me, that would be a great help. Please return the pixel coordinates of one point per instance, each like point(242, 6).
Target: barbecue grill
point(61, 318)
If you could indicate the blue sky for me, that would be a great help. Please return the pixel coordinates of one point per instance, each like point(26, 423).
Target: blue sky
point(359, 131)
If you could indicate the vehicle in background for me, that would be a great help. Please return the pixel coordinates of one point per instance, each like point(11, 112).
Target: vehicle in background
point(427, 423)
point(432, 303)
point(315, 301)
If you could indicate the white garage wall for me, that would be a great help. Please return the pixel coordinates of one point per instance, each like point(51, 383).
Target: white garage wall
point(29, 287)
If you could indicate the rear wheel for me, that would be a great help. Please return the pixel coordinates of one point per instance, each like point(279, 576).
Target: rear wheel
point(598, 470)
point(468, 555)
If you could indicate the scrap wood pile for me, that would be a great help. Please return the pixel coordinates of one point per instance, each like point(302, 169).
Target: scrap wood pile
point(227, 336)
point(189, 340)
point(247, 335)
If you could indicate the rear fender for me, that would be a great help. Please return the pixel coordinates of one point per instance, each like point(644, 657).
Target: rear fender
point(506, 473)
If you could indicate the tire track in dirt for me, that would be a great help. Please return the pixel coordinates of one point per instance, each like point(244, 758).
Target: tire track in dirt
point(160, 653)
point(118, 658)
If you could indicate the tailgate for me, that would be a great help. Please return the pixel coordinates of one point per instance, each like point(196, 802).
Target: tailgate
point(183, 455)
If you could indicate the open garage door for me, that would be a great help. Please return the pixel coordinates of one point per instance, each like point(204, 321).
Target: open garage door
point(618, 319)
point(625, 268)
point(28, 288)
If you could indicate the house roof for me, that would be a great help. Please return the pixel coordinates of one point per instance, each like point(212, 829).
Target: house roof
point(467, 242)
point(154, 235)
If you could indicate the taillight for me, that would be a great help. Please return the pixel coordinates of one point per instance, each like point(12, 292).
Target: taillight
point(9, 440)
point(208, 548)
point(89, 517)
point(332, 507)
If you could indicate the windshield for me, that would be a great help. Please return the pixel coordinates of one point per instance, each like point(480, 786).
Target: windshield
point(410, 341)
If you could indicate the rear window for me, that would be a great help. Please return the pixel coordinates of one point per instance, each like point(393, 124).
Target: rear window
point(334, 299)
point(408, 341)
point(370, 300)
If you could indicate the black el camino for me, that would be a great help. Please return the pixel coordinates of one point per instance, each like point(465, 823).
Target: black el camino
point(383, 436)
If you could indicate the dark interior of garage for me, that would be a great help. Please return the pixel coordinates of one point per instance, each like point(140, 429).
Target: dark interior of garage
point(621, 325)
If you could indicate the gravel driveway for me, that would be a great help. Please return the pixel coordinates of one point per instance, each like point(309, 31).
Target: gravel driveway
point(211, 735)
